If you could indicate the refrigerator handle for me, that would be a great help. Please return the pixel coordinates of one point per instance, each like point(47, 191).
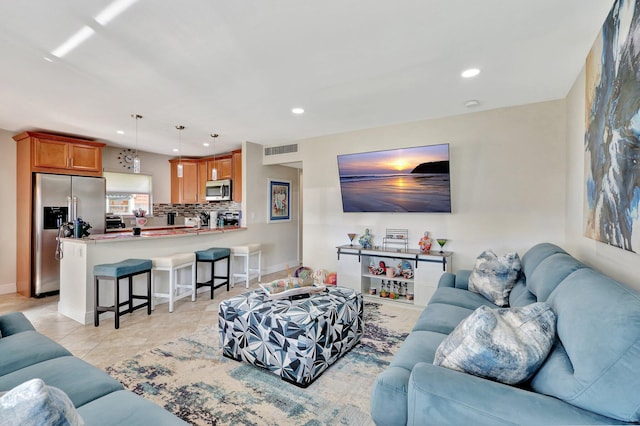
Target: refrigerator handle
point(75, 208)
point(69, 210)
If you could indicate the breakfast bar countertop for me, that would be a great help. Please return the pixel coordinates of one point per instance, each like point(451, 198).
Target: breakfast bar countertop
point(80, 256)
point(159, 232)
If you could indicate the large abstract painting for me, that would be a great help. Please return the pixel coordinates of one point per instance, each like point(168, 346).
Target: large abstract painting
point(612, 139)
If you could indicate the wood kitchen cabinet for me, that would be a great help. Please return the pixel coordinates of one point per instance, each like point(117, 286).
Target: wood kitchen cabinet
point(39, 152)
point(236, 175)
point(185, 190)
point(224, 166)
point(61, 154)
point(223, 163)
point(196, 173)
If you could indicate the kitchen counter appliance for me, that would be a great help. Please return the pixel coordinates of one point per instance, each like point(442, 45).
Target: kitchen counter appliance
point(230, 218)
point(114, 222)
point(218, 190)
point(59, 200)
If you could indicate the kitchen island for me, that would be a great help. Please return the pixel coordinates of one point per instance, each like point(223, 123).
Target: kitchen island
point(81, 255)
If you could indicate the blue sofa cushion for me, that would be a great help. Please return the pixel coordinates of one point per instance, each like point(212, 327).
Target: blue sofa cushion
point(494, 276)
point(81, 381)
point(441, 318)
point(595, 366)
point(33, 403)
point(457, 297)
point(126, 408)
point(389, 396)
point(549, 273)
point(536, 254)
point(13, 323)
point(26, 348)
point(507, 345)
point(520, 295)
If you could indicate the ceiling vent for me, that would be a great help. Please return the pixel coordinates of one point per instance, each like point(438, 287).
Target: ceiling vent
point(282, 149)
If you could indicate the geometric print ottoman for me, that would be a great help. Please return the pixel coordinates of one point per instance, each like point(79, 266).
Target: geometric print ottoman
point(295, 339)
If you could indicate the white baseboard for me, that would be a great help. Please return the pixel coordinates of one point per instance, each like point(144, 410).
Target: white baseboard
point(8, 288)
point(293, 265)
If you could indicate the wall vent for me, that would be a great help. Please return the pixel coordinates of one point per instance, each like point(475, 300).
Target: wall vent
point(282, 149)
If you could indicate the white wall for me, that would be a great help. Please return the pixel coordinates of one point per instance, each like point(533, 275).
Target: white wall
point(8, 212)
point(279, 240)
point(156, 165)
point(620, 264)
point(507, 183)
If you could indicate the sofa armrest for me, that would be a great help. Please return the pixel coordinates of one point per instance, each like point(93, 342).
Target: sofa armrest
point(458, 280)
point(441, 396)
point(14, 322)
point(447, 280)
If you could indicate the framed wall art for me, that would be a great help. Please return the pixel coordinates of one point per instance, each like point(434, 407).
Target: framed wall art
point(279, 200)
point(612, 139)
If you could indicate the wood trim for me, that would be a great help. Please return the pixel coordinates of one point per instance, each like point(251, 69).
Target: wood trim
point(61, 138)
point(23, 219)
point(25, 160)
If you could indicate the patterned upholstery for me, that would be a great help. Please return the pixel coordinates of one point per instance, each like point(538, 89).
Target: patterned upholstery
point(296, 339)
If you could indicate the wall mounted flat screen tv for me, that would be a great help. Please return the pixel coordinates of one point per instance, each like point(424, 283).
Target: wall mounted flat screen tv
point(412, 180)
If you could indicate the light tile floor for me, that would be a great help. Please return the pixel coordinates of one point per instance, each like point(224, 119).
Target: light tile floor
point(104, 345)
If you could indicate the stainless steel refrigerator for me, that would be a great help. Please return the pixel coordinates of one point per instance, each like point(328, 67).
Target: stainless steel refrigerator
point(58, 199)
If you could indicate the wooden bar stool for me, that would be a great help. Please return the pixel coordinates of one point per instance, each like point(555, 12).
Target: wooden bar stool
point(245, 252)
point(115, 272)
point(211, 256)
point(173, 264)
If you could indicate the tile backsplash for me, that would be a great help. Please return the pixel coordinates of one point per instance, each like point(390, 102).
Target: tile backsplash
point(161, 209)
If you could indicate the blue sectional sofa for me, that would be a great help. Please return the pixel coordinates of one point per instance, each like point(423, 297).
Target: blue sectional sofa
point(26, 354)
point(591, 376)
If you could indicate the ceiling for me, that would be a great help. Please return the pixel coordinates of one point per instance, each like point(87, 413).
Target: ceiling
point(237, 68)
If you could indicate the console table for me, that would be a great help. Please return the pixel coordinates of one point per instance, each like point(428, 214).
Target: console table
point(353, 271)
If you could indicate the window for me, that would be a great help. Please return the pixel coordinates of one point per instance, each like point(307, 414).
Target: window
point(127, 192)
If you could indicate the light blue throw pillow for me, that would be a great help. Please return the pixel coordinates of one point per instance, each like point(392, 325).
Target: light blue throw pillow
point(33, 403)
point(507, 344)
point(494, 276)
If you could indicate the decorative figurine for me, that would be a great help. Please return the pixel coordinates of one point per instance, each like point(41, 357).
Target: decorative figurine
point(425, 243)
point(366, 239)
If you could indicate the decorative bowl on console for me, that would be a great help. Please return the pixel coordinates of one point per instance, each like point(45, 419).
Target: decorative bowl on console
point(376, 270)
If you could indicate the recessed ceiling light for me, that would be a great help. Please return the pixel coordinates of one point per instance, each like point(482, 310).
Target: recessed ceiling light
point(113, 10)
point(297, 110)
point(175, 150)
point(48, 59)
point(120, 132)
point(205, 144)
point(471, 72)
point(74, 41)
point(471, 103)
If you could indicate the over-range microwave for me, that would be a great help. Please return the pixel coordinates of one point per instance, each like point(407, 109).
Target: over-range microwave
point(218, 190)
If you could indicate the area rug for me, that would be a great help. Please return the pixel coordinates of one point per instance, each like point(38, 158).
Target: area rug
point(191, 378)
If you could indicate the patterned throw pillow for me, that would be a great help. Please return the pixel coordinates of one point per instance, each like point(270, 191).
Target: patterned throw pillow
point(494, 276)
point(507, 344)
point(33, 403)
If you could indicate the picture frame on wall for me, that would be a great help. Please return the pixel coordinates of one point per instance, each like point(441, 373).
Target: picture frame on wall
point(279, 200)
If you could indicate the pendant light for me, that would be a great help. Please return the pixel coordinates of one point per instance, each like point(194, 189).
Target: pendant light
point(136, 159)
point(180, 129)
point(214, 170)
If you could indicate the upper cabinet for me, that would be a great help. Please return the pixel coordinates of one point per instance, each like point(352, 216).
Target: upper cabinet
point(236, 175)
point(61, 154)
point(191, 187)
point(184, 190)
point(222, 164)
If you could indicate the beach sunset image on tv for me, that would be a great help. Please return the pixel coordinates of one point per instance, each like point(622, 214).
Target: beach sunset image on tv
point(397, 180)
